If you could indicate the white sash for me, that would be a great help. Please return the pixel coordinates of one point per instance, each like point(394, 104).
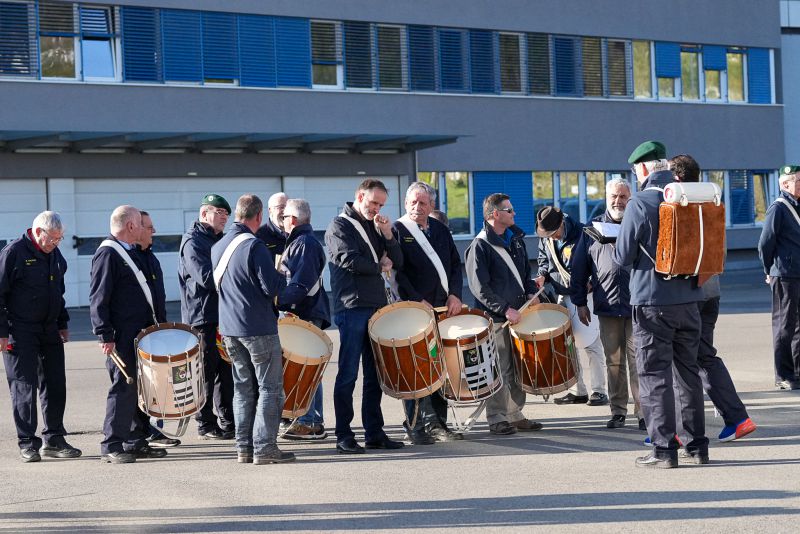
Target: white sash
point(110, 243)
point(362, 233)
point(505, 256)
point(562, 270)
point(427, 248)
point(790, 208)
point(390, 282)
point(641, 247)
point(219, 272)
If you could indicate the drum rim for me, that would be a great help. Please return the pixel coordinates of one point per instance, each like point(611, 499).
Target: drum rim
point(545, 335)
point(392, 342)
point(454, 342)
point(181, 356)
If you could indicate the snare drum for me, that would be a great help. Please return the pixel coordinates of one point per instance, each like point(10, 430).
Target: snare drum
point(407, 350)
point(306, 352)
point(169, 369)
point(471, 358)
point(544, 350)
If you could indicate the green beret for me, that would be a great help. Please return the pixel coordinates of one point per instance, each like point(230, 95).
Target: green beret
point(217, 201)
point(790, 169)
point(648, 151)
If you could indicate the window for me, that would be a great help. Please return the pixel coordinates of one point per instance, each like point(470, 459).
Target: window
point(542, 190)
point(482, 61)
point(714, 65)
point(668, 69)
point(592, 67)
point(617, 53)
point(391, 58)
point(358, 55)
point(569, 194)
point(141, 54)
point(220, 53)
point(566, 58)
point(735, 69)
point(457, 197)
point(717, 177)
point(17, 40)
point(421, 58)
point(595, 194)
point(326, 54)
point(510, 63)
point(642, 74)
point(58, 40)
point(713, 84)
point(453, 66)
point(760, 191)
point(759, 76)
point(690, 77)
point(538, 63)
point(98, 43)
point(741, 197)
point(182, 44)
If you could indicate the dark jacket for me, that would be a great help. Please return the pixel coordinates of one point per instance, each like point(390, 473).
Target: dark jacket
point(573, 230)
point(302, 264)
point(31, 288)
point(155, 280)
point(640, 227)
point(492, 283)
point(356, 280)
point(116, 300)
point(274, 237)
point(418, 279)
point(592, 260)
point(779, 245)
point(248, 287)
point(199, 301)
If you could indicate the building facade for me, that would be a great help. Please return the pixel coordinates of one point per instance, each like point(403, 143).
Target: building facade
point(155, 103)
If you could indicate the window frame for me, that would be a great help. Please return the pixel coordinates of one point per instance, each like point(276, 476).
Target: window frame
point(742, 52)
point(114, 40)
point(403, 50)
point(522, 50)
point(339, 53)
point(652, 71)
point(76, 43)
point(697, 51)
point(628, 58)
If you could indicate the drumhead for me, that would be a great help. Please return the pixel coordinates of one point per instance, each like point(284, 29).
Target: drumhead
point(401, 323)
point(541, 321)
point(301, 341)
point(167, 342)
point(462, 325)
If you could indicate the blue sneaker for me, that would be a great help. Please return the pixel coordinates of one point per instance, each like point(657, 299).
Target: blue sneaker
point(647, 442)
point(733, 432)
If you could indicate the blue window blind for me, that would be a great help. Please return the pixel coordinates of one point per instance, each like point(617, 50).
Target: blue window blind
point(668, 60)
point(567, 66)
point(452, 61)
point(517, 185)
point(421, 59)
point(482, 61)
point(95, 21)
point(293, 52)
point(759, 85)
point(357, 55)
point(183, 53)
point(220, 53)
point(714, 57)
point(141, 45)
point(257, 50)
point(742, 200)
point(17, 40)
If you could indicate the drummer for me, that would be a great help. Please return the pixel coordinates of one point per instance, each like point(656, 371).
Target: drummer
point(501, 292)
point(431, 274)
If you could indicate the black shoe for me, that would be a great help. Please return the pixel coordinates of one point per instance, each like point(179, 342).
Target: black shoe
point(62, 450)
point(163, 442)
point(698, 457)
point(597, 399)
point(349, 446)
point(569, 398)
point(616, 421)
point(30, 455)
point(276, 456)
point(442, 433)
point(214, 433)
point(385, 443)
point(119, 458)
point(642, 425)
point(653, 461)
point(228, 434)
point(503, 428)
point(420, 437)
point(150, 452)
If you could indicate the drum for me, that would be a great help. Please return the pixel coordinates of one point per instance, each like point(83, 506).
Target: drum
point(544, 350)
point(306, 352)
point(169, 368)
point(470, 356)
point(221, 348)
point(407, 350)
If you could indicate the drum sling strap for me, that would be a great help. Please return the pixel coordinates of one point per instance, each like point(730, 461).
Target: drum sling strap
point(642, 246)
point(560, 267)
point(505, 256)
point(790, 208)
point(427, 248)
point(222, 266)
point(126, 258)
point(390, 286)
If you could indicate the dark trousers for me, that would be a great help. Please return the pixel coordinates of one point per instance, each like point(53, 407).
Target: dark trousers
point(37, 362)
point(786, 327)
point(218, 384)
point(354, 347)
point(125, 427)
point(667, 336)
point(427, 412)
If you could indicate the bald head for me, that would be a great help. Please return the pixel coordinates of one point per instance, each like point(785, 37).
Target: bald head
point(126, 224)
point(275, 206)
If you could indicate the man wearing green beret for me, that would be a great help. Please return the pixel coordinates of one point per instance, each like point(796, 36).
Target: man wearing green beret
point(666, 321)
point(778, 245)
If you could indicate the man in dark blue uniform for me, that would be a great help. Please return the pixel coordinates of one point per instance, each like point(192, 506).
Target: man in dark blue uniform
point(272, 232)
point(421, 280)
point(666, 321)
point(199, 308)
point(119, 309)
point(33, 330)
point(779, 248)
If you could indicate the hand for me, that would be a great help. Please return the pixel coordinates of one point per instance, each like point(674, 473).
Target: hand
point(513, 316)
point(383, 225)
point(584, 315)
point(64, 335)
point(453, 305)
point(535, 299)
point(769, 279)
point(539, 281)
point(588, 287)
point(3, 344)
point(107, 348)
point(386, 264)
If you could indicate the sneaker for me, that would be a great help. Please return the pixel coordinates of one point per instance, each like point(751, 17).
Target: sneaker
point(244, 457)
point(569, 398)
point(503, 428)
point(163, 442)
point(30, 455)
point(648, 443)
point(149, 452)
point(526, 425)
point(275, 456)
point(655, 462)
point(62, 450)
point(697, 458)
point(597, 399)
point(616, 421)
point(733, 432)
point(306, 432)
point(214, 433)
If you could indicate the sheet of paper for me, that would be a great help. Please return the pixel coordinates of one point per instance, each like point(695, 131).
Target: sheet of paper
point(607, 229)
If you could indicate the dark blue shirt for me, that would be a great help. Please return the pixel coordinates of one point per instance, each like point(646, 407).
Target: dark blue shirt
point(302, 264)
point(199, 301)
point(779, 243)
point(274, 237)
point(564, 248)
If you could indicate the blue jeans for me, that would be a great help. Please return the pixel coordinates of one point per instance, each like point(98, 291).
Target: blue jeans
point(355, 346)
point(257, 391)
point(314, 414)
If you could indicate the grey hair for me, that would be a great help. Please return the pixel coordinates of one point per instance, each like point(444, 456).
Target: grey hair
point(248, 207)
point(274, 199)
point(121, 216)
point(618, 181)
point(299, 208)
point(424, 188)
point(48, 221)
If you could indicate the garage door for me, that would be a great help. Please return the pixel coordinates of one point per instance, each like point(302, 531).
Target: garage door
point(22, 201)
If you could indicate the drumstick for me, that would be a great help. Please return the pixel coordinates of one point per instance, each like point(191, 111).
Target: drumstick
point(524, 306)
point(121, 366)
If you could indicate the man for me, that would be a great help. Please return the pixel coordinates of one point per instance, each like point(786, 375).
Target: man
point(248, 283)
point(33, 330)
point(779, 243)
point(199, 308)
point(361, 247)
point(501, 292)
point(717, 380)
point(431, 274)
point(593, 264)
point(119, 309)
point(273, 233)
point(302, 264)
point(558, 236)
point(665, 321)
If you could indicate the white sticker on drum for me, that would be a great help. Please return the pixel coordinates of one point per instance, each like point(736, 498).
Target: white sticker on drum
point(182, 390)
point(478, 367)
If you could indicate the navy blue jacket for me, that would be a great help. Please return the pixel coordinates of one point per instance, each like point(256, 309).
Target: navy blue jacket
point(116, 301)
point(31, 288)
point(780, 240)
point(302, 264)
point(274, 237)
point(151, 268)
point(199, 301)
point(248, 287)
point(565, 247)
point(356, 279)
point(640, 226)
point(594, 260)
point(418, 278)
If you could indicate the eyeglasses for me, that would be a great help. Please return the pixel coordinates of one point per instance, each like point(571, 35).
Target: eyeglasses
point(51, 240)
point(507, 210)
point(286, 216)
point(219, 211)
point(633, 170)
